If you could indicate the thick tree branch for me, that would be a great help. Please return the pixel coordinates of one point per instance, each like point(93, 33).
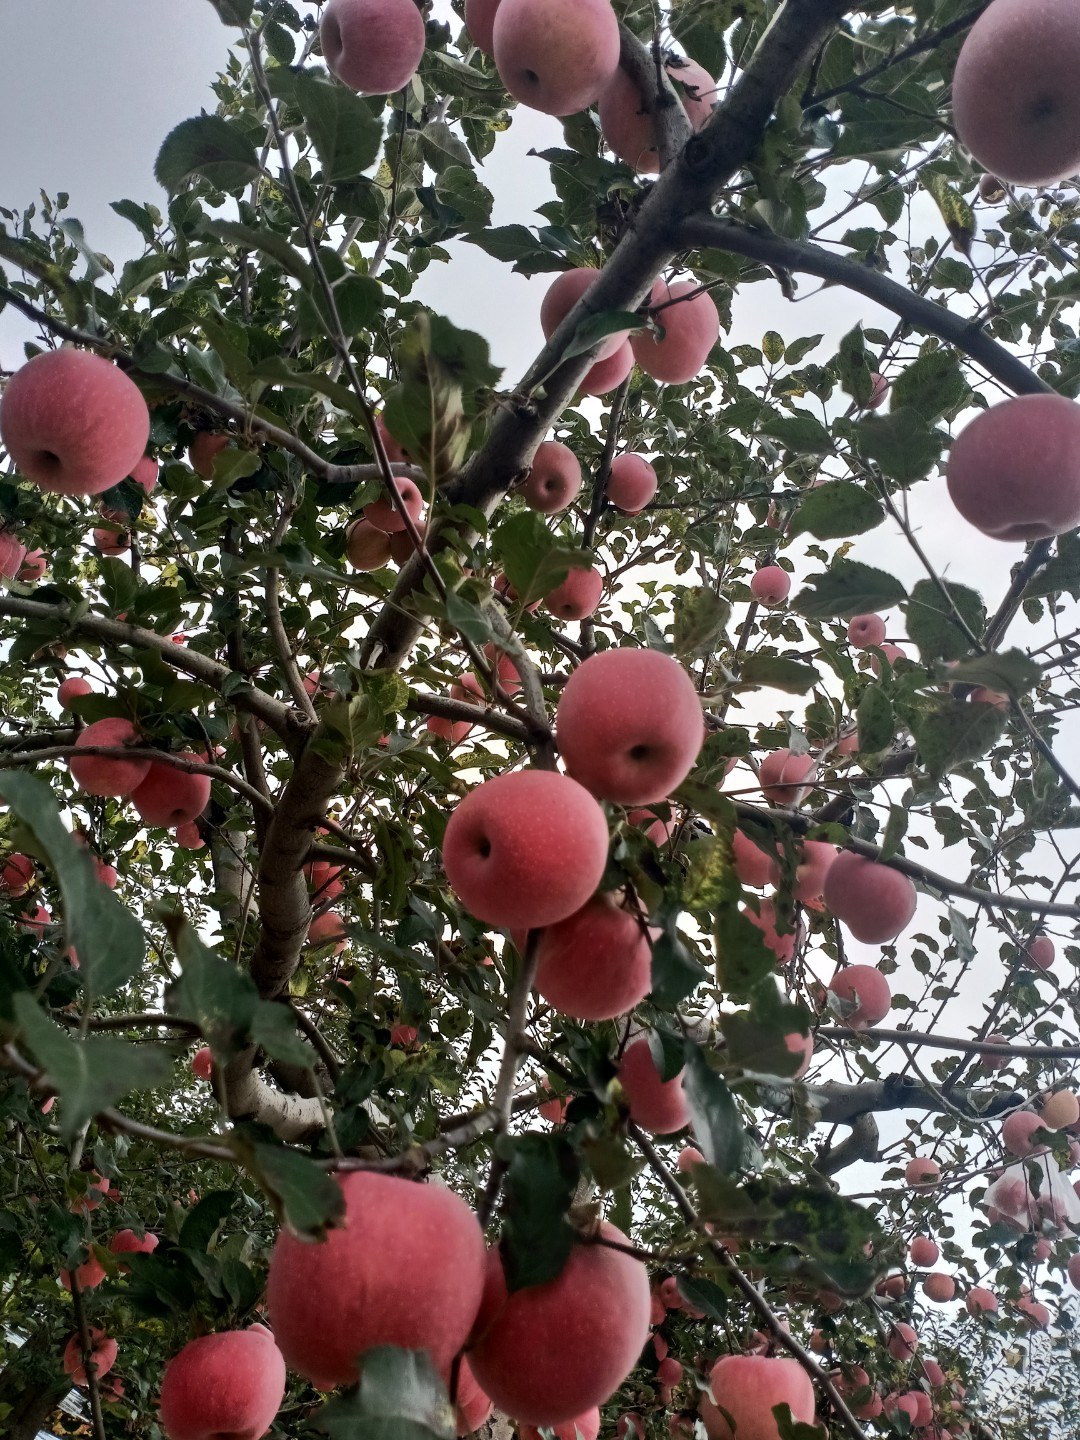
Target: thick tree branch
point(918, 1039)
point(924, 315)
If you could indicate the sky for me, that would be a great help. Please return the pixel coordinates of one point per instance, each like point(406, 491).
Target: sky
point(90, 90)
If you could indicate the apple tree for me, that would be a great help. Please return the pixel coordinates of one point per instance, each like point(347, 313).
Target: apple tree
point(552, 891)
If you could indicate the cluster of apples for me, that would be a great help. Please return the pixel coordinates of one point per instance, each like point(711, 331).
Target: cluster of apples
point(164, 795)
point(18, 879)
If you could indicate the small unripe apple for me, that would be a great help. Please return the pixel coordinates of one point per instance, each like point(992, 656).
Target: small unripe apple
point(547, 1353)
point(747, 1387)
point(874, 901)
point(557, 56)
point(373, 46)
point(554, 479)
point(786, 778)
point(657, 1105)
point(691, 328)
point(227, 1386)
point(1015, 103)
point(923, 1251)
point(631, 484)
point(203, 451)
point(102, 1353)
point(866, 630)
point(73, 423)
point(202, 1062)
point(1017, 1132)
point(525, 849)
point(386, 515)
point(1039, 952)
point(869, 992)
point(103, 774)
point(770, 586)
point(629, 128)
point(560, 298)
point(17, 876)
point(607, 375)
point(577, 597)
point(168, 796)
point(367, 547)
point(629, 725)
point(922, 1173)
point(405, 1268)
point(597, 963)
point(1014, 471)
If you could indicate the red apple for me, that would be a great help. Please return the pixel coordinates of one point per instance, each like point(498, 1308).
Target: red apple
point(1014, 471)
point(631, 483)
point(386, 515)
point(406, 1268)
point(1039, 952)
point(629, 725)
point(204, 450)
point(102, 1354)
point(770, 586)
point(103, 774)
point(691, 328)
point(126, 1242)
point(939, 1287)
point(879, 388)
point(628, 126)
point(582, 1427)
point(902, 1343)
point(554, 480)
point(557, 56)
point(17, 876)
point(1017, 1131)
point(70, 688)
point(688, 1157)
point(395, 452)
point(202, 1062)
point(526, 849)
point(548, 1353)
point(227, 1386)
point(991, 189)
point(922, 1173)
point(326, 928)
point(373, 46)
point(595, 964)
point(188, 837)
point(890, 653)
point(923, 1251)
point(874, 901)
point(868, 990)
point(1036, 1316)
point(765, 917)
point(12, 554)
point(145, 473)
point(608, 375)
point(88, 1275)
point(168, 796)
point(96, 1191)
point(814, 860)
point(73, 423)
point(747, 1387)
point(472, 1408)
point(577, 597)
point(562, 295)
point(787, 778)
point(866, 630)
point(33, 567)
point(753, 866)
point(657, 1105)
point(1060, 1111)
point(480, 21)
point(1015, 103)
point(367, 548)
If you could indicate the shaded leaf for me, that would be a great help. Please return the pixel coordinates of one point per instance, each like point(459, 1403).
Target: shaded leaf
point(209, 148)
point(401, 1396)
point(714, 1114)
point(701, 621)
point(956, 731)
point(848, 588)
point(540, 1182)
point(675, 972)
point(835, 510)
point(776, 672)
point(876, 720)
point(1011, 671)
point(303, 1196)
point(902, 443)
point(932, 624)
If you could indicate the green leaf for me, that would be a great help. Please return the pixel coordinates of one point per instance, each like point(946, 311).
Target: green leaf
point(1010, 671)
point(955, 732)
point(848, 588)
point(835, 510)
point(201, 1224)
point(772, 347)
point(756, 1039)
point(701, 621)
point(540, 1183)
point(876, 720)
point(345, 130)
point(823, 1233)
point(776, 672)
point(902, 443)
point(598, 327)
point(213, 993)
point(108, 939)
point(933, 385)
point(90, 1075)
point(533, 560)
point(855, 367)
point(1060, 573)
point(675, 972)
point(401, 1396)
point(303, 1196)
point(932, 624)
point(743, 960)
point(233, 12)
point(955, 210)
point(714, 1114)
point(264, 242)
point(274, 1027)
point(209, 148)
point(801, 432)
